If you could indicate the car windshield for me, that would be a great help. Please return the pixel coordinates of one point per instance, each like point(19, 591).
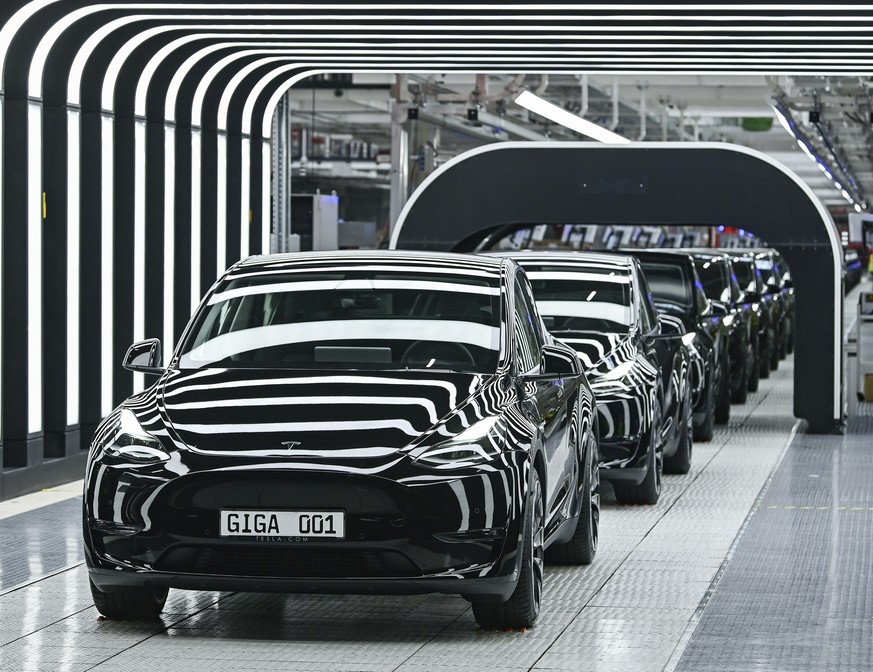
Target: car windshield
point(574, 298)
point(349, 320)
point(669, 284)
point(713, 275)
point(744, 269)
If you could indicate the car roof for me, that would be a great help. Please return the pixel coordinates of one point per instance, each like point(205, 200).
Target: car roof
point(620, 261)
point(433, 261)
point(659, 253)
point(709, 253)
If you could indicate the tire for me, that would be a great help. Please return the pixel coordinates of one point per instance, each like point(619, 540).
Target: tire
point(755, 375)
point(649, 491)
point(582, 548)
point(130, 604)
point(783, 348)
point(765, 365)
point(706, 429)
point(723, 397)
point(523, 606)
point(680, 461)
point(741, 393)
point(774, 352)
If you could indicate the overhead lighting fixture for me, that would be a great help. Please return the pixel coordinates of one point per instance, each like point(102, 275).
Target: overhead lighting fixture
point(569, 120)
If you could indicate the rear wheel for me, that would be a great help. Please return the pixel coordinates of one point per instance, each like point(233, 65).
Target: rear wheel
point(764, 362)
point(130, 604)
point(705, 430)
point(741, 393)
point(774, 352)
point(755, 375)
point(680, 461)
point(582, 548)
point(649, 491)
point(523, 606)
point(723, 396)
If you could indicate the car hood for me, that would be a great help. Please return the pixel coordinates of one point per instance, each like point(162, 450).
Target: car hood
point(600, 352)
point(303, 413)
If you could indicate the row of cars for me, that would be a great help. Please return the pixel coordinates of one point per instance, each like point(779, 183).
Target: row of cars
point(395, 422)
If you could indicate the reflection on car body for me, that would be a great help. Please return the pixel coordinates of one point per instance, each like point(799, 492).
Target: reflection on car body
point(599, 305)
point(361, 422)
point(678, 292)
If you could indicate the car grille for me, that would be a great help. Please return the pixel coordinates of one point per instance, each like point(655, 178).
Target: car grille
point(286, 562)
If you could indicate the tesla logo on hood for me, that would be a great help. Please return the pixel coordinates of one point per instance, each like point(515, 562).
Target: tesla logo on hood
point(290, 445)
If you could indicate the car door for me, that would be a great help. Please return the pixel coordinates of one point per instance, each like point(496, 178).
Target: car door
point(662, 351)
point(545, 402)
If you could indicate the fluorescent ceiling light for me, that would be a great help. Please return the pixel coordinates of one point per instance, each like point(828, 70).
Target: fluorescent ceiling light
point(575, 123)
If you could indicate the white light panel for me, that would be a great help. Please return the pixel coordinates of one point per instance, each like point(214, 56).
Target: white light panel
point(221, 198)
point(73, 261)
point(169, 233)
point(195, 218)
point(34, 268)
point(245, 189)
point(139, 240)
point(559, 115)
point(106, 266)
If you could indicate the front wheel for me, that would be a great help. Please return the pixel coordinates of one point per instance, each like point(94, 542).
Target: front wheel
point(523, 606)
point(130, 604)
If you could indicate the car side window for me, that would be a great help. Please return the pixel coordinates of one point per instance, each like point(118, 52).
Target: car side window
point(528, 345)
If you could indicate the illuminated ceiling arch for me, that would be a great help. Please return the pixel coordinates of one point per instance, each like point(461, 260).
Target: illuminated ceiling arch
point(167, 70)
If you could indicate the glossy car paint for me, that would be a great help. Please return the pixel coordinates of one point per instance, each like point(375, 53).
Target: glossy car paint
point(763, 307)
point(723, 290)
point(640, 379)
point(396, 447)
point(709, 345)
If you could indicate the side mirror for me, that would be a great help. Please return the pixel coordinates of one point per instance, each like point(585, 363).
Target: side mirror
point(558, 361)
point(671, 328)
point(144, 357)
point(719, 308)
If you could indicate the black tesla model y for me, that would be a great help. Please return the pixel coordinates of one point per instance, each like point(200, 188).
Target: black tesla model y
point(373, 422)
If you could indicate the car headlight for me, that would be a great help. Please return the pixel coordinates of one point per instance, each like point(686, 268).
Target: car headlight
point(132, 443)
point(478, 444)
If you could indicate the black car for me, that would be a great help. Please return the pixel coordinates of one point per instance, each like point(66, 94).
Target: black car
point(678, 292)
point(786, 291)
point(639, 369)
point(764, 310)
point(376, 422)
point(780, 288)
point(722, 289)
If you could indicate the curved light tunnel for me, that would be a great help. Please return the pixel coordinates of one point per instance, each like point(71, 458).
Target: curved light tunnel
point(136, 156)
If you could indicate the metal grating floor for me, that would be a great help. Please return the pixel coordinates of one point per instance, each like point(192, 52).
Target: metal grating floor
point(626, 612)
point(749, 562)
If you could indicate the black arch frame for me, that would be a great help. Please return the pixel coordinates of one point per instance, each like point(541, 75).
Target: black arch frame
point(656, 184)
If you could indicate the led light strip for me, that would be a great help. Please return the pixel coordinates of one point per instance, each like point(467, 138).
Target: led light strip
point(569, 120)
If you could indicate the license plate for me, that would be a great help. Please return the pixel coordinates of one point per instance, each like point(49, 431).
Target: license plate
point(283, 524)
